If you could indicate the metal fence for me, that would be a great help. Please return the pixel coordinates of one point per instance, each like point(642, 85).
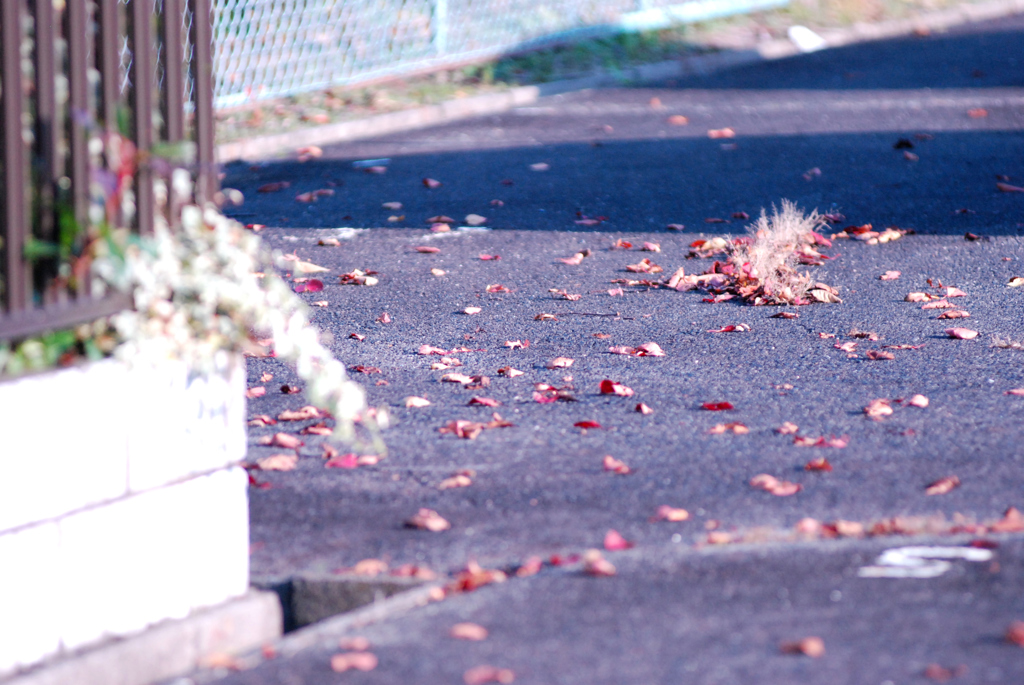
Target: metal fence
point(98, 99)
point(273, 48)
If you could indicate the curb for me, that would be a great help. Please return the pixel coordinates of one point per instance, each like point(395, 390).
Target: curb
point(169, 648)
point(325, 634)
point(454, 110)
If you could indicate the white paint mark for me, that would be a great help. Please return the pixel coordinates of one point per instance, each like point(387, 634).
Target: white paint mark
point(920, 562)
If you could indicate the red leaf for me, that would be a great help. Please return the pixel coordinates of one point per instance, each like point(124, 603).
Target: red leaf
point(342, 461)
point(587, 424)
point(819, 464)
point(717, 406)
point(612, 388)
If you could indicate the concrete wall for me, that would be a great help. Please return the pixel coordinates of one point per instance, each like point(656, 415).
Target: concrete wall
point(121, 504)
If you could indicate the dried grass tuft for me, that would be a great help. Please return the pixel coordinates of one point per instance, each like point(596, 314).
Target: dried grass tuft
point(775, 246)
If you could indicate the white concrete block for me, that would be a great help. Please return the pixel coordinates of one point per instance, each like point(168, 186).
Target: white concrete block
point(153, 556)
point(29, 572)
point(184, 424)
point(65, 443)
point(220, 547)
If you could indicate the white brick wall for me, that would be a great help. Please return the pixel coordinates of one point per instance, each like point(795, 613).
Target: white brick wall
point(119, 506)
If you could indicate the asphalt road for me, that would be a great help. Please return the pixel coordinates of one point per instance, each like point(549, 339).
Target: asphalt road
point(680, 609)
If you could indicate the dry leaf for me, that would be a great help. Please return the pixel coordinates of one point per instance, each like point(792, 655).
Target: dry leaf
point(309, 152)
point(615, 466)
point(643, 409)
point(468, 631)
point(1007, 188)
point(475, 220)
point(594, 564)
point(456, 378)
point(1012, 522)
point(484, 402)
point(342, 461)
point(609, 387)
point(509, 372)
point(318, 429)
point(877, 409)
point(273, 187)
point(587, 425)
point(314, 195)
point(413, 402)
point(393, 206)
point(428, 519)
point(952, 291)
point(459, 480)
point(368, 567)
point(787, 428)
point(261, 420)
point(938, 304)
point(479, 675)
point(942, 486)
point(360, 661)
point(918, 297)
point(819, 464)
point(1016, 282)
point(427, 249)
point(715, 133)
point(809, 646)
point(977, 113)
point(779, 488)
point(677, 120)
point(560, 363)
point(614, 542)
point(253, 393)
point(467, 430)
point(954, 314)
point(471, 310)
point(1015, 633)
point(307, 412)
point(1015, 391)
point(540, 166)
point(918, 401)
point(667, 513)
point(717, 406)
point(961, 333)
point(879, 354)
point(889, 276)
point(734, 426)
point(289, 442)
point(431, 183)
point(278, 462)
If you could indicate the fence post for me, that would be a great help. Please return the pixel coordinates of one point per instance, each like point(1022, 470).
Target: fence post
point(440, 27)
point(140, 32)
point(78, 77)
point(202, 94)
point(16, 288)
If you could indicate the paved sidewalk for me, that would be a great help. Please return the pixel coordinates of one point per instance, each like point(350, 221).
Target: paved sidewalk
point(686, 605)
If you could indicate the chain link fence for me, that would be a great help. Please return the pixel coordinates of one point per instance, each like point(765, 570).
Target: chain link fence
point(274, 48)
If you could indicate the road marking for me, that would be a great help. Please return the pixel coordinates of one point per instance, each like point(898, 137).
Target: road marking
point(920, 562)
